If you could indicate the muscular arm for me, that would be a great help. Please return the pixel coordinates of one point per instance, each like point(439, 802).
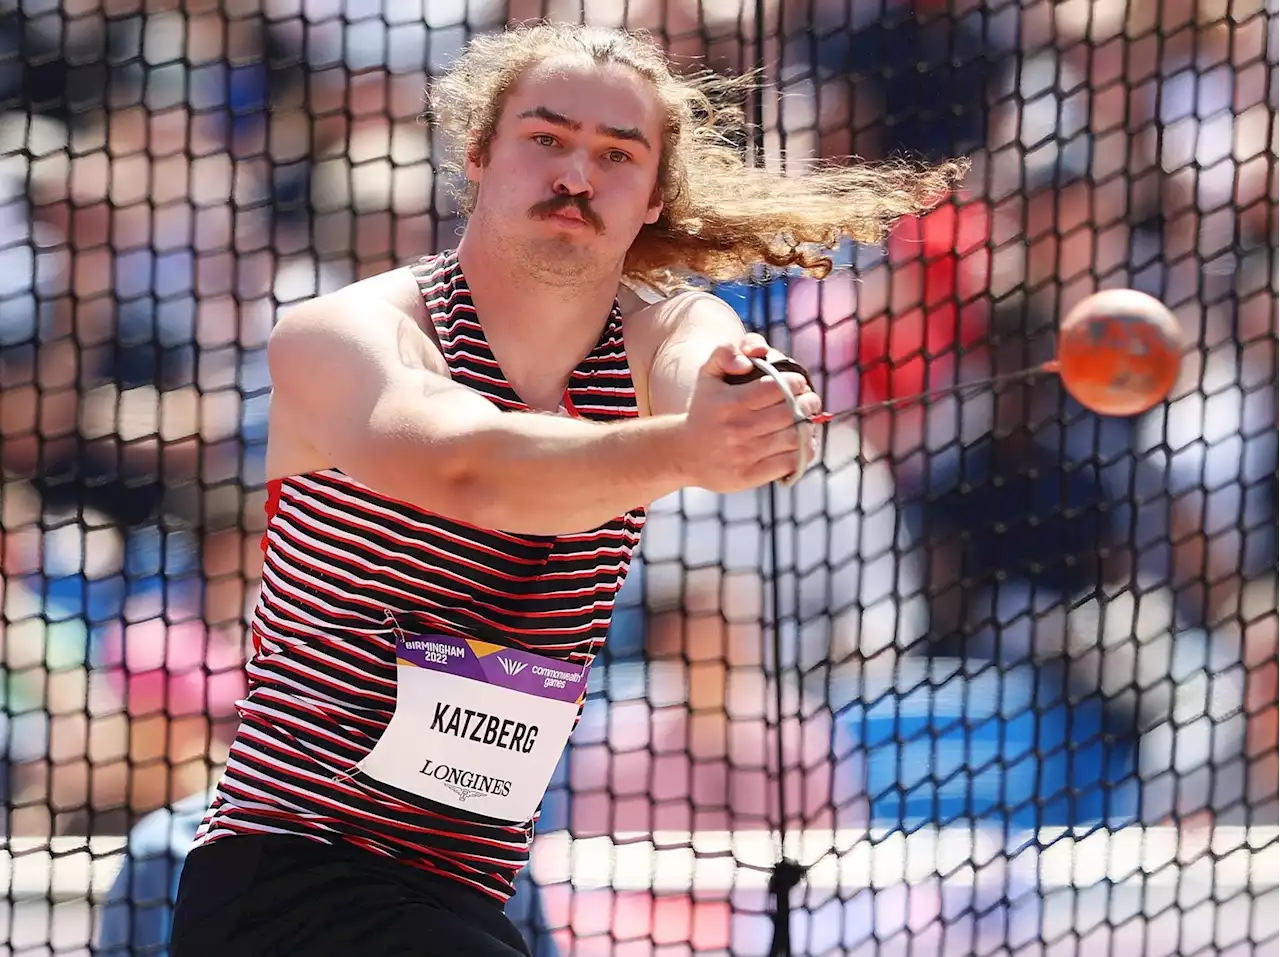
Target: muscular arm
point(357, 380)
point(681, 333)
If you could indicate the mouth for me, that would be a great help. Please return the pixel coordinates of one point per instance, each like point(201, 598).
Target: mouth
point(567, 217)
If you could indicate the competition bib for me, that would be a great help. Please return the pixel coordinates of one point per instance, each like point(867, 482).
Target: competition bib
point(477, 726)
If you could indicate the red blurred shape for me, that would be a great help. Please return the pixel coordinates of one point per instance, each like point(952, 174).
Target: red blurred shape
point(940, 264)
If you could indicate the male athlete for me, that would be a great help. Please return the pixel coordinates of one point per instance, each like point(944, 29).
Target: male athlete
point(462, 453)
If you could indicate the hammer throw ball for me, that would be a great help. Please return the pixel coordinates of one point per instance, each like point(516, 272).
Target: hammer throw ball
point(807, 448)
point(1119, 352)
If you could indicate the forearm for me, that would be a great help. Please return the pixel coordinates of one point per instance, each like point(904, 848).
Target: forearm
point(539, 474)
point(519, 472)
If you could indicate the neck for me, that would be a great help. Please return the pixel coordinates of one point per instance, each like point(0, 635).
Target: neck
point(522, 305)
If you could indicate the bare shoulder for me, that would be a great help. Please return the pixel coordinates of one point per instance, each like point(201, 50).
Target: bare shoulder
point(654, 327)
point(395, 290)
point(381, 314)
point(339, 352)
point(687, 313)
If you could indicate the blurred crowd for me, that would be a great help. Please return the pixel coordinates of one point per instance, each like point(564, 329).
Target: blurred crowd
point(173, 176)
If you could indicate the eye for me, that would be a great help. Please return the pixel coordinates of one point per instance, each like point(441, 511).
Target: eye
point(618, 156)
point(544, 139)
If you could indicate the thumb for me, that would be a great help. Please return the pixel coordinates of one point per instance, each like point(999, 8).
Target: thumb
point(726, 360)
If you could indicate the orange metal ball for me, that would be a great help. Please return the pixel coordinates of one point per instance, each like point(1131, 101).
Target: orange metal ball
point(1119, 352)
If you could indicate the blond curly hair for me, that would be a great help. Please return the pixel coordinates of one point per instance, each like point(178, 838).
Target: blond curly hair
point(722, 217)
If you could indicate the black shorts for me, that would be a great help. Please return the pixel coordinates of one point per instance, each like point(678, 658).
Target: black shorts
point(277, 896)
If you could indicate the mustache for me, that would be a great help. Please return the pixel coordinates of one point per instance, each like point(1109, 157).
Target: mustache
point(555, 204)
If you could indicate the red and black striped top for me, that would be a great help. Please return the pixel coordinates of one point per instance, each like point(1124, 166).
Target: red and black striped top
point(342, 561)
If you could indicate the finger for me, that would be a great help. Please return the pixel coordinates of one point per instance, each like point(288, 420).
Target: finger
point(754, 344)
point(810, 404)
point(772, 431)
point(786, 439)
point(800, 408)
point(780, 415)
point(766, 392)
point(798, 445)
point(810, 443)
point(772, 468)
point(727, 360)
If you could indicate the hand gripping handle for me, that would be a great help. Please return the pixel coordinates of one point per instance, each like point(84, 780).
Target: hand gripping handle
point(807, 449)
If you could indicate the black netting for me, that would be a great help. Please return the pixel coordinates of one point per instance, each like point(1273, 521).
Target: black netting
point(999, 676)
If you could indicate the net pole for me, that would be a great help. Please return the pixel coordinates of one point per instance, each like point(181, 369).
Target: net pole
point(785, 874)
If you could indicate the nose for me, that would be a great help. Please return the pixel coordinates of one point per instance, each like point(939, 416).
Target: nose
point(573, 179)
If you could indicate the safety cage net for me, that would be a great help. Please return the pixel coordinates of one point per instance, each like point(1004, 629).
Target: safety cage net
point(998, 676)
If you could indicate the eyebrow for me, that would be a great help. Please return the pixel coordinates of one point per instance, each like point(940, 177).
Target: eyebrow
point(628, 133)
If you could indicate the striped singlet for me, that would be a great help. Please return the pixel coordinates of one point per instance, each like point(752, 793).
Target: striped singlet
point(345, 567)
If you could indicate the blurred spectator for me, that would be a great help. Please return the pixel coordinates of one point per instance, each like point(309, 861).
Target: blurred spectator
point(965, 466)
point(1186, 689)
point(880, 79)
point(1260, 626)
point(919, 74)
point(847, 592)
point(1022, 504)
point(1181, 100)
point(178, 683)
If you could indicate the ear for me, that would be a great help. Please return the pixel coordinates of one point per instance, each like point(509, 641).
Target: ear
point(655, 210)
point(476, 161)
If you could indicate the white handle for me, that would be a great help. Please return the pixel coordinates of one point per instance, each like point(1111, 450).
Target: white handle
point(807, 450)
